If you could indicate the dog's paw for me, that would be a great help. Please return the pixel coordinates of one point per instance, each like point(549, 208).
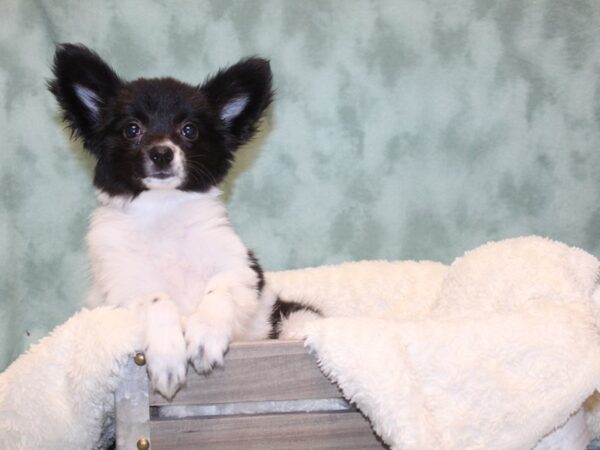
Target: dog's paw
point(167, 362)
point(206, 344)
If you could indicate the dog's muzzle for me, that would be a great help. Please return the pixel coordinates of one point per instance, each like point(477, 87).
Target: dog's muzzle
point(163, 164)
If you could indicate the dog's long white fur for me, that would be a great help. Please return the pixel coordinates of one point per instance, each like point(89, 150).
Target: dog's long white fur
point(174, 256)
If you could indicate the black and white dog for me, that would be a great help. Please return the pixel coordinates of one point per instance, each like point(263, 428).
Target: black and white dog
point(160, 242)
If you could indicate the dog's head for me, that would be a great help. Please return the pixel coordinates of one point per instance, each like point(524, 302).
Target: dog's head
point(158, 133)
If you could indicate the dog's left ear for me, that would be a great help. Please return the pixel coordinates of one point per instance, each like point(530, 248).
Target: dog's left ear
point(82, 85)
point(240, 94)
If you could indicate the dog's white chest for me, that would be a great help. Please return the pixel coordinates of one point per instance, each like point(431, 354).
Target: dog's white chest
point(162, 242)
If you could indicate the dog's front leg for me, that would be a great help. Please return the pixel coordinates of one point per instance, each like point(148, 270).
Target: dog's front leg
point(230, 300)
point(165, 345)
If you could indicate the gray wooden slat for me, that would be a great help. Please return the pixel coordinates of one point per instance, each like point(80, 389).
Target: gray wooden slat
point(297, 431)
point(132, 409)
point(255, 371)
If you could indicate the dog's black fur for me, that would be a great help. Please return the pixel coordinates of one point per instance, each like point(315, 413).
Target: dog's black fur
point(103, 109)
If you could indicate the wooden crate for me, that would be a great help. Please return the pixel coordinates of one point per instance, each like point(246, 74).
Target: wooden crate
point(269, 395)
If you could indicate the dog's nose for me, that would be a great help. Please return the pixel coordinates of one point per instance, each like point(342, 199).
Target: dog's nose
point(161, 156)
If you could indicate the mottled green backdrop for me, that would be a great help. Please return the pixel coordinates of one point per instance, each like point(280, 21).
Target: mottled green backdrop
point(402, 129)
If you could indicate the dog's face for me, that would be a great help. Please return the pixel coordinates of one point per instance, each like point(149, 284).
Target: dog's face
point(159, 133)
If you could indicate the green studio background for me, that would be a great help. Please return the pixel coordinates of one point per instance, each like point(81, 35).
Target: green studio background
point(402, 129)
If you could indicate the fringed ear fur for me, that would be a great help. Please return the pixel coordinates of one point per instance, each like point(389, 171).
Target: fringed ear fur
point(82, 85)
point(240, 94)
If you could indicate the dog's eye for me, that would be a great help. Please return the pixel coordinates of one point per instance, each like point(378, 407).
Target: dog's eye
point(132, 130)
point(189, 131)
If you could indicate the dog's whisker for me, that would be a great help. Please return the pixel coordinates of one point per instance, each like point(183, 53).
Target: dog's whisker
point(198, 169)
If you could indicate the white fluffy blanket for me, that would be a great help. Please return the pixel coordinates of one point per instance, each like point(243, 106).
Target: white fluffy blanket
point(59, 395)
point(499, 350)
point(496, 351)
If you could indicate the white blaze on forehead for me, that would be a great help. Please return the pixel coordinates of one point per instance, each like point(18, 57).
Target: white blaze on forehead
point(89, 98)
point(233, 108)
point(169, 143)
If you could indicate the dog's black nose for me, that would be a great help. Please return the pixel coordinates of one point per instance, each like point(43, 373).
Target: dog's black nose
point(161, 156)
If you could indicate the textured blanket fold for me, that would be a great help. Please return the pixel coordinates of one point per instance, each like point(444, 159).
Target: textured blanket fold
point(59, 395)
point(500, 350)
point(497, 351)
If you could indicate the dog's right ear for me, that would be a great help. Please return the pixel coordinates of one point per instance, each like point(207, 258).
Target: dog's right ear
point(82, 85)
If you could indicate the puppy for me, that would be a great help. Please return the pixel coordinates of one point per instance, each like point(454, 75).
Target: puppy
point(160, 242)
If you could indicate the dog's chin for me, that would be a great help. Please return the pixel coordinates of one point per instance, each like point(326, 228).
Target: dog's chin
point(162, 181)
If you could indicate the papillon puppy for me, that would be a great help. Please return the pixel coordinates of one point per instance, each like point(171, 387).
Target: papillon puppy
point(160, 241)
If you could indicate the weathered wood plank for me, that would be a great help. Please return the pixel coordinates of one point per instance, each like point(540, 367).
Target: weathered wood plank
point(295, 431)
point(255, 371)
point(132, 408)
